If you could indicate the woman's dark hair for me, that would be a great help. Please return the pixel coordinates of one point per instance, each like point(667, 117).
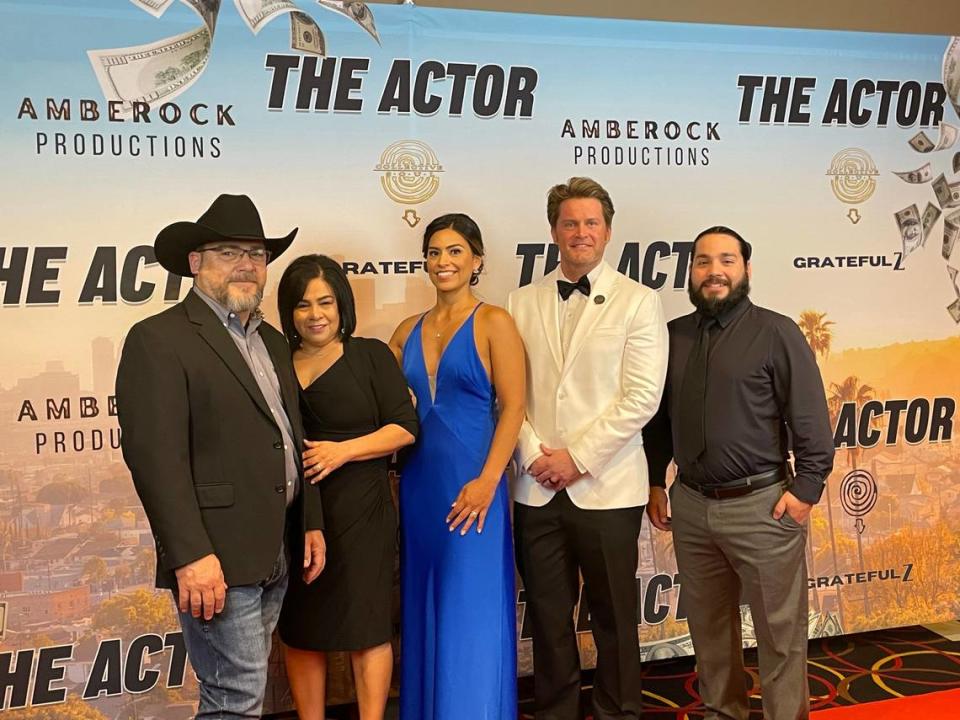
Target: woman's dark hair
point(466, 228)
point(294, 283)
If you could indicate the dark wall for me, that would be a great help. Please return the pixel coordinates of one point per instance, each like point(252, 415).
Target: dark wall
point(922, 16)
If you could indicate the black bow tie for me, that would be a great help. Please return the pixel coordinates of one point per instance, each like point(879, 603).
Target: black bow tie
point(566, 289)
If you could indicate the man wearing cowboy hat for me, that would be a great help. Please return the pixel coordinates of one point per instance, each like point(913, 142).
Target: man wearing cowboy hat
point(211, 432)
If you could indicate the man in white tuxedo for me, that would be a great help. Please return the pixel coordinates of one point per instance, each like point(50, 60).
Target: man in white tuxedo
point(596, 345)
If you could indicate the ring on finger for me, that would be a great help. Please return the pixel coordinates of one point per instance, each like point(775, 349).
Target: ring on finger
point(473, 514)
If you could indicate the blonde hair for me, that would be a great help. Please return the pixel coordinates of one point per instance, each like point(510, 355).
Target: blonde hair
point(578, 187)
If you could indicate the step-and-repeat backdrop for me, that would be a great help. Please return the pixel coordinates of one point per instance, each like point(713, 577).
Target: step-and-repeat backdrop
point(835, 153)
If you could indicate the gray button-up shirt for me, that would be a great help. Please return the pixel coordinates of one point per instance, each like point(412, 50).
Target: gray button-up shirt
point(255, 354)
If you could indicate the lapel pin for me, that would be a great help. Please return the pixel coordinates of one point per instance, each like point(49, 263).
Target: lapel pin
point(599, 300)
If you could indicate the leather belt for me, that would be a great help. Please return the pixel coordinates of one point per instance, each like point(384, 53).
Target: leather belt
point(740, 486)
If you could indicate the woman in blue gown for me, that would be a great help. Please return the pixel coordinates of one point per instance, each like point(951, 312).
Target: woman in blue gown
point(464, 362)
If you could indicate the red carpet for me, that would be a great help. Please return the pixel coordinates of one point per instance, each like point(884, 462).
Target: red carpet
point(944, 705)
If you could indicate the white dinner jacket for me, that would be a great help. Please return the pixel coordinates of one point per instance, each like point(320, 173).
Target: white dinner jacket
point(596, 400)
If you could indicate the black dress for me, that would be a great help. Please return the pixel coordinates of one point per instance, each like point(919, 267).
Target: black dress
point(348, 607)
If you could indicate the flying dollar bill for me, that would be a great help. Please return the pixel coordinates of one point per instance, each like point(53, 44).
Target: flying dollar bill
point(666, 649)
point(305, 36)
point(930, 216)
point(948, 194)
point(207, 10)
point(921, 143)
point(951, 232)
point(954, 310)
point(153, 72)
point(911, 231)
point(157, 71)
point(953, 273)
point(951, 72)
point(154, 7)
point(920, 175)
point(257, 13)
point(948, 136)
point(356, 11)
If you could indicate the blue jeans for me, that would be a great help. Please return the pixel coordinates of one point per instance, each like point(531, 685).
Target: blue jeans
point(229, 653)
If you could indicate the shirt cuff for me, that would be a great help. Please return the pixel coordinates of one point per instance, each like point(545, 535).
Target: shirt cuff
point(807, 488)
point(580, 466)
point(527, 462)
point(659, 481)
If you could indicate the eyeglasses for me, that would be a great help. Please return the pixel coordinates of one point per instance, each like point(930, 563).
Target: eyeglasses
point(231, 254)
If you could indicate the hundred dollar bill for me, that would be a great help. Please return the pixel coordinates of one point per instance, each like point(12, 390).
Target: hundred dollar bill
point(951, 72)
point(153, 72)
point(929, 218)
point(953, 273)
point(911, 231)
point(157, 71)
point(920, 175)
point(951, 232)
point(948, 194)
point(921, 143)
point(954, 310)
point(207, 10)
point(257, 13)
point(948, 136)
point(305, 36)
point(356, 11)
point(831, 627)
point(154, 7)
point(666, 649)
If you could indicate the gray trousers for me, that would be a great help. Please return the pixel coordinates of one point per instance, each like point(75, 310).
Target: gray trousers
point(733, 548)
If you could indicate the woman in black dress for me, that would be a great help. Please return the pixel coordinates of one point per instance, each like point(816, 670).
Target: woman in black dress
point(356, 413)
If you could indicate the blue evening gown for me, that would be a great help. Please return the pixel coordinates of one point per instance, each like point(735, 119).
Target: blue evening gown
point(458, 633)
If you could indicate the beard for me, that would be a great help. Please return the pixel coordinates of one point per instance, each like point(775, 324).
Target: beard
point(715, 306)
point(239, 302)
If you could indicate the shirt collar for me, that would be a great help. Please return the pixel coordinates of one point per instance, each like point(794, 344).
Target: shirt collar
point(591, 276)
point(229, 318)
point(728, 315)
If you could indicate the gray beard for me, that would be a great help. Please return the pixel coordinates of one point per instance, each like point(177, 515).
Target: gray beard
point(238, 304)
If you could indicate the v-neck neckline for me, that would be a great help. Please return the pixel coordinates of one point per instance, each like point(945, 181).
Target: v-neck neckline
point(443, 352)
point(321, 375)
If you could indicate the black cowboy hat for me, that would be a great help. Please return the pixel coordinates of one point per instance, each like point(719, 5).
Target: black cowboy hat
point(230, 217)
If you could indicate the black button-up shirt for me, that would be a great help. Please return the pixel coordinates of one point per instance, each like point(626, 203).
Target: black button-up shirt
point(764, 394)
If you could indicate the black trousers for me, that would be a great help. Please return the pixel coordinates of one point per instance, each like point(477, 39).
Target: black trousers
point(553, 543)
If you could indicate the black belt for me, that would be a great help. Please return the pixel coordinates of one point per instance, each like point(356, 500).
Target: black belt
point(740, 486)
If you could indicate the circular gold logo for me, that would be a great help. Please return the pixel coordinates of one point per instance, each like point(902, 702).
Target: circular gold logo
point(409, 172)
point(852, 175)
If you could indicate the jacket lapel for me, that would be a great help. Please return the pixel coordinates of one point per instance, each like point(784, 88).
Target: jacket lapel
point(279, 352)
point(218, 338)
point(547, 302)
point(606, 286)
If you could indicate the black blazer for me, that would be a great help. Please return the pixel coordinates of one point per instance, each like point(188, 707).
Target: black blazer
point(205, 454)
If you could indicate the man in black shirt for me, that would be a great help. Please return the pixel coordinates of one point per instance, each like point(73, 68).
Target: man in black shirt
point(742, 389)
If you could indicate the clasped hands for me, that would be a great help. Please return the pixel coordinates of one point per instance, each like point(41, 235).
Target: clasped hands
point(555, 469)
